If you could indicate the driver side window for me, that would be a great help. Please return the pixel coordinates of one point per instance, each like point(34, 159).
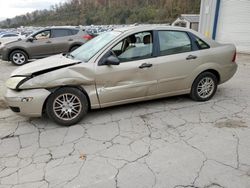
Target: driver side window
point(134, 47)
point(43, 35)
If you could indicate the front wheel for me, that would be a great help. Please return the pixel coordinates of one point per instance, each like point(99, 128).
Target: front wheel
point(204, 87)
point(18, 57)
point(67, 106)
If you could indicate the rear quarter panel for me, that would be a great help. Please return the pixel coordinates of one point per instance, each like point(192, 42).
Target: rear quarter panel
point(78, 40)
point(218, 58)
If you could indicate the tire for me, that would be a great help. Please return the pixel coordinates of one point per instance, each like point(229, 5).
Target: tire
point(67, 106)
point(73, 48)
point(204, 87)
point(18, 57)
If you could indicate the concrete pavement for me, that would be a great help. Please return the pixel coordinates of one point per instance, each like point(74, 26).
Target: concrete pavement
point(171, 143)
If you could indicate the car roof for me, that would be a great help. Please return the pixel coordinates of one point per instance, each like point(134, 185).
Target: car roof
point(150, 27)
point(62, 27)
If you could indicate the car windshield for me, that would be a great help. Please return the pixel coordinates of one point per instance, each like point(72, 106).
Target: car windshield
point(89, 49)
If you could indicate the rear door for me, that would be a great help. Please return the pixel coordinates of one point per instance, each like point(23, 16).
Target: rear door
point(176, 61)
point(61, 39)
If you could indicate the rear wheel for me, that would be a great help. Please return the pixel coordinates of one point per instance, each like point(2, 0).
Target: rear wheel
point(204, 87)
point(18, 57)
point(67, 106)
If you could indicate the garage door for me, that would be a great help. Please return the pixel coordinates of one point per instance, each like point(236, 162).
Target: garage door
point(234, 24)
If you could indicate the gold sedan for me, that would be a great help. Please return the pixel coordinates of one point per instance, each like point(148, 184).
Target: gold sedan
point(121, 66)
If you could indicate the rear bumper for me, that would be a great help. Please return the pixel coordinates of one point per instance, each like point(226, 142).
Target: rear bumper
point(27, 102)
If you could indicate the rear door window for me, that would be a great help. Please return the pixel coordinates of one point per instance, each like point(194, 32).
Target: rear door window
point(60, 33)
point(174, 42)
point(74, 31)
point(201, 44)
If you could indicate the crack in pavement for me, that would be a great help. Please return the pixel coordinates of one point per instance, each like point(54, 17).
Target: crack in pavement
point(140, 130)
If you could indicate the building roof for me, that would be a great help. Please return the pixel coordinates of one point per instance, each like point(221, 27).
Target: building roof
point(193, 18)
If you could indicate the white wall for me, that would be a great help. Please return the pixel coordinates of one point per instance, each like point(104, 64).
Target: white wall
point(234, 24)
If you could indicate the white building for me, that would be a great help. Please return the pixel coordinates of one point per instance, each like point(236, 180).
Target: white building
point(190, 21)
point(227, 21)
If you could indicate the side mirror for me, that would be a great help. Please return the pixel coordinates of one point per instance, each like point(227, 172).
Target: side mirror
point(112, 60)
point(30, 39)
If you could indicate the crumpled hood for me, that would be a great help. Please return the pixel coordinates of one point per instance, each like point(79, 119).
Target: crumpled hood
point(43, 65)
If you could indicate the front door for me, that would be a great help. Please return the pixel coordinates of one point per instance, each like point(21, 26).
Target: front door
point(41, 45)
point(131, 80)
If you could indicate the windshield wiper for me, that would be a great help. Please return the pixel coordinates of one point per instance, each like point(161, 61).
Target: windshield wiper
point(67, 55)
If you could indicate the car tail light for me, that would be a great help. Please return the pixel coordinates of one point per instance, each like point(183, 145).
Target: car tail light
point(87, 37)
point(234, 57)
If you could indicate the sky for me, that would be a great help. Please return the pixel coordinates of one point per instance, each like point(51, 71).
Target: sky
point(12, 8)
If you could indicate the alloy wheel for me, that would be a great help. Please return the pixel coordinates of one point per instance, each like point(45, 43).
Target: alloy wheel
point(205, 87)
point(67, 106)
point(19, 58)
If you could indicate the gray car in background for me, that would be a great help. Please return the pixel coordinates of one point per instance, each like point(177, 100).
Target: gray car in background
point(44, 43)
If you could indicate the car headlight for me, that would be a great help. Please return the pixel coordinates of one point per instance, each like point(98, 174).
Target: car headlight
point(14, 82)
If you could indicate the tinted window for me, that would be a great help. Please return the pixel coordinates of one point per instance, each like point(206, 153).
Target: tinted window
point(201, 44)
point(174, 42)
point(61, 33)
point(135, 47)
point(74, 31)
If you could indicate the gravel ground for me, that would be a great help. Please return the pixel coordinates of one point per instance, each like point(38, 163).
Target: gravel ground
point(171, 143)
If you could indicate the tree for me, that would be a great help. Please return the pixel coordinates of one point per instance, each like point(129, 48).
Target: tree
point(86, 12)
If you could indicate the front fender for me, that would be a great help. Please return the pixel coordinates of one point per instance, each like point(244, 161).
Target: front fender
point(61, 77)
point(76, 75)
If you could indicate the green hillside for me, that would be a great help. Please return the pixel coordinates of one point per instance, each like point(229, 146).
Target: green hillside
point(87, 12)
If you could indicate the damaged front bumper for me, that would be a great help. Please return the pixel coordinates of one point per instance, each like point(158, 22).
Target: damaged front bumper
point(27, 102)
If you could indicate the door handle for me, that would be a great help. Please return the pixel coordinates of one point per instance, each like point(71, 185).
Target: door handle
point(190, 57)
point(48, 42)
point(70, 40)
point(145, 65)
